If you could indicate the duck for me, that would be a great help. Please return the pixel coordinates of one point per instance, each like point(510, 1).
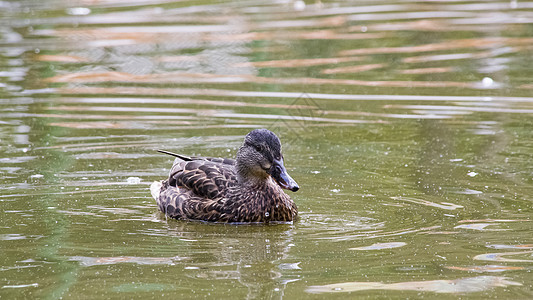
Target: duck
point(247, 189)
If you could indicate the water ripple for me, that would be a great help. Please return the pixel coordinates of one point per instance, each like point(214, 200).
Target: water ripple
point(461, 285)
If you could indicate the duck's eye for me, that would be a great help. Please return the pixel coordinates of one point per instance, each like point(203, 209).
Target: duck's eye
point(258, 148)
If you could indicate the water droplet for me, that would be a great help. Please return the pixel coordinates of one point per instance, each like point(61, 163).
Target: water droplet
point(133, 180)
point(299, 5)
point(78, 11)
point(487, 82)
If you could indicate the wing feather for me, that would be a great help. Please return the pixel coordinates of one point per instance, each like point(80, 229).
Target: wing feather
point(208, 178)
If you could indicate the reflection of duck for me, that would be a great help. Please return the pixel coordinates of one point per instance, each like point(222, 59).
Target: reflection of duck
point(245, 190)
point(254, 260)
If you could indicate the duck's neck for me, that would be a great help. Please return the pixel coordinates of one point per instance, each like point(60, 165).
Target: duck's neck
point(253, 182)
point(250, 177)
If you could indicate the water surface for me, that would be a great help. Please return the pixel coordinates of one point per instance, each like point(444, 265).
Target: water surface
point(408, 126)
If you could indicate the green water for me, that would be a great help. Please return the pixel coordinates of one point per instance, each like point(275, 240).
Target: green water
point(407, 125)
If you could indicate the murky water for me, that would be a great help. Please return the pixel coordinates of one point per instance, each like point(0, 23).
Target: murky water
point(408, 126)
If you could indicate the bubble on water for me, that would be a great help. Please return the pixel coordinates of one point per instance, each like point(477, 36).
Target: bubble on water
point(299, 5)
point(267, 214)
point(487, 82)
point(472, 174)
point(78, 11)
point(133, 180)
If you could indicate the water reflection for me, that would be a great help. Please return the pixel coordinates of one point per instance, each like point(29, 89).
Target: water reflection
point(381, 246)
point(255, 256)
point(462, 285)
point(502, 257)
point(486, 269)
point(98, 261)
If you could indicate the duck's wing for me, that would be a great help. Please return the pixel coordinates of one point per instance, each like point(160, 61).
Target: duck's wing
point(181, 203)
point(204, 177)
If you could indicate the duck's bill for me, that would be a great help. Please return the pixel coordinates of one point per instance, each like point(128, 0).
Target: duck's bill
point(280, 175)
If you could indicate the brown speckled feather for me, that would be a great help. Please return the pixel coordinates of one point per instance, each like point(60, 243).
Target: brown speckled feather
point(204, 177)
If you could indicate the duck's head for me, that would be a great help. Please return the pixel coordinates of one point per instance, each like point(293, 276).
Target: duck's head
point(260, 157)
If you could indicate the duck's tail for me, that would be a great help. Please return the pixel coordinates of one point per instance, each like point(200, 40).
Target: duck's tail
point(155, 189)
point(183, 157)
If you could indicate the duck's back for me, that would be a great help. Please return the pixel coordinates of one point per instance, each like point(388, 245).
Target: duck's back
point(196, 189)
point(206, 177)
